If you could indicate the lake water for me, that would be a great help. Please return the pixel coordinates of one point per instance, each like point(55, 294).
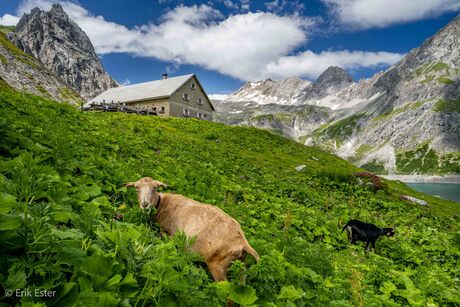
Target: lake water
point(444, 190)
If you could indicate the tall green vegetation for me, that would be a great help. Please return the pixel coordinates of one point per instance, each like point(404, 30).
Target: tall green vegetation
point(68, 225)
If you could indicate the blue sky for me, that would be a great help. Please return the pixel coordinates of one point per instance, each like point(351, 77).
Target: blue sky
point(229, 42)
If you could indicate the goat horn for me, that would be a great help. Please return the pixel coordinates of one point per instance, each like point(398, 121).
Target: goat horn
point(130, 184)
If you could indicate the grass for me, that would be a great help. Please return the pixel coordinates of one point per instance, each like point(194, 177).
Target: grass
point(7, 29)
point(339, 130)
point(3, 60)
point(445, 80)
point(447, 106)
point(439, 66)
point(62, 175)
point(374, 167)
point(422, 160)
point(364, 148)
point(450, 163)
point(71, 95)
point(43, 91)
point(17, 53)
point(432, 67)
point(438, 71)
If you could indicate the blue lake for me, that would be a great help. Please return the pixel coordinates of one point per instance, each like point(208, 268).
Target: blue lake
point(449, 191)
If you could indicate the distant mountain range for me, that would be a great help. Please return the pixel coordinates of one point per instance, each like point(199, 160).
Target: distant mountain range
point(403, 120)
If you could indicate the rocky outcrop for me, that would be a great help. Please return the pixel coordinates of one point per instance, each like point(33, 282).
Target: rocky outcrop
point(404, 120)
point(283, 92)
point(332, 80)
point(291, 121)
point(64, 49)
point(24, 73)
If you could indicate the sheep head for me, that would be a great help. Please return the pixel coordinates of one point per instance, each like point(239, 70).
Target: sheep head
point(146, 189)
point(389, 232)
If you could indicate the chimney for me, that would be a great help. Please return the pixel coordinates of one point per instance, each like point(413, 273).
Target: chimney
point(165, 76)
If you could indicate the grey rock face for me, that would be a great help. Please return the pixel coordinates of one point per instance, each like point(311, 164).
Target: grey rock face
point(63, 48)
point(330, 81)
point(334, 76)
point(24, 73)
point(291, 121)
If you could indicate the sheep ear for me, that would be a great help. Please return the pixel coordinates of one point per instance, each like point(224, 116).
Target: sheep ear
point(130, 184)
point(160, 184)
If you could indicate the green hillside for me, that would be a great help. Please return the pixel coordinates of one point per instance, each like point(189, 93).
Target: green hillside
point(6, 29)
point(61, 184)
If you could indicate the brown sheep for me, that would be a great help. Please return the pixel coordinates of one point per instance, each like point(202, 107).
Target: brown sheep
point(219, 237)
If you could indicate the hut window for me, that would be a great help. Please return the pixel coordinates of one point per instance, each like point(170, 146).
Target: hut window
point(199, 101)
point(186, 112)
point(185, 96)
point(193, 86)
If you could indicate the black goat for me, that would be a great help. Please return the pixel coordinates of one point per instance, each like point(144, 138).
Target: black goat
point(369, 233)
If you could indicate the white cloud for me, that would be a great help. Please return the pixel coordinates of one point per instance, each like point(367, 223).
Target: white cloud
point(229, 4)
point(362, 14)
point(237, 46)
point(235, 5)
point(311, 65)
point(106, 36)
point(8, 20)
point(282, 6)
point(247, 46)
point(218, 96)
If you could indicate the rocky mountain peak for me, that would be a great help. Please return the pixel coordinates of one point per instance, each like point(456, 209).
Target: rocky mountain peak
point(62, 46)
point(331, 81)
point(334, 75)
point(268, 91)
point(56, 8)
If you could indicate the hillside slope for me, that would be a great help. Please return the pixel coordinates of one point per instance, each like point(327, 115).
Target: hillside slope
point(68, 225)
point(25, 73)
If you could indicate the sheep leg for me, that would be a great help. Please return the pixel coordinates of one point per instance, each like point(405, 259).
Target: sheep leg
point(367, 246)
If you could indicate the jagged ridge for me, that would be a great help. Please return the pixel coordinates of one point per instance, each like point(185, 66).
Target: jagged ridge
point(60, 44)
